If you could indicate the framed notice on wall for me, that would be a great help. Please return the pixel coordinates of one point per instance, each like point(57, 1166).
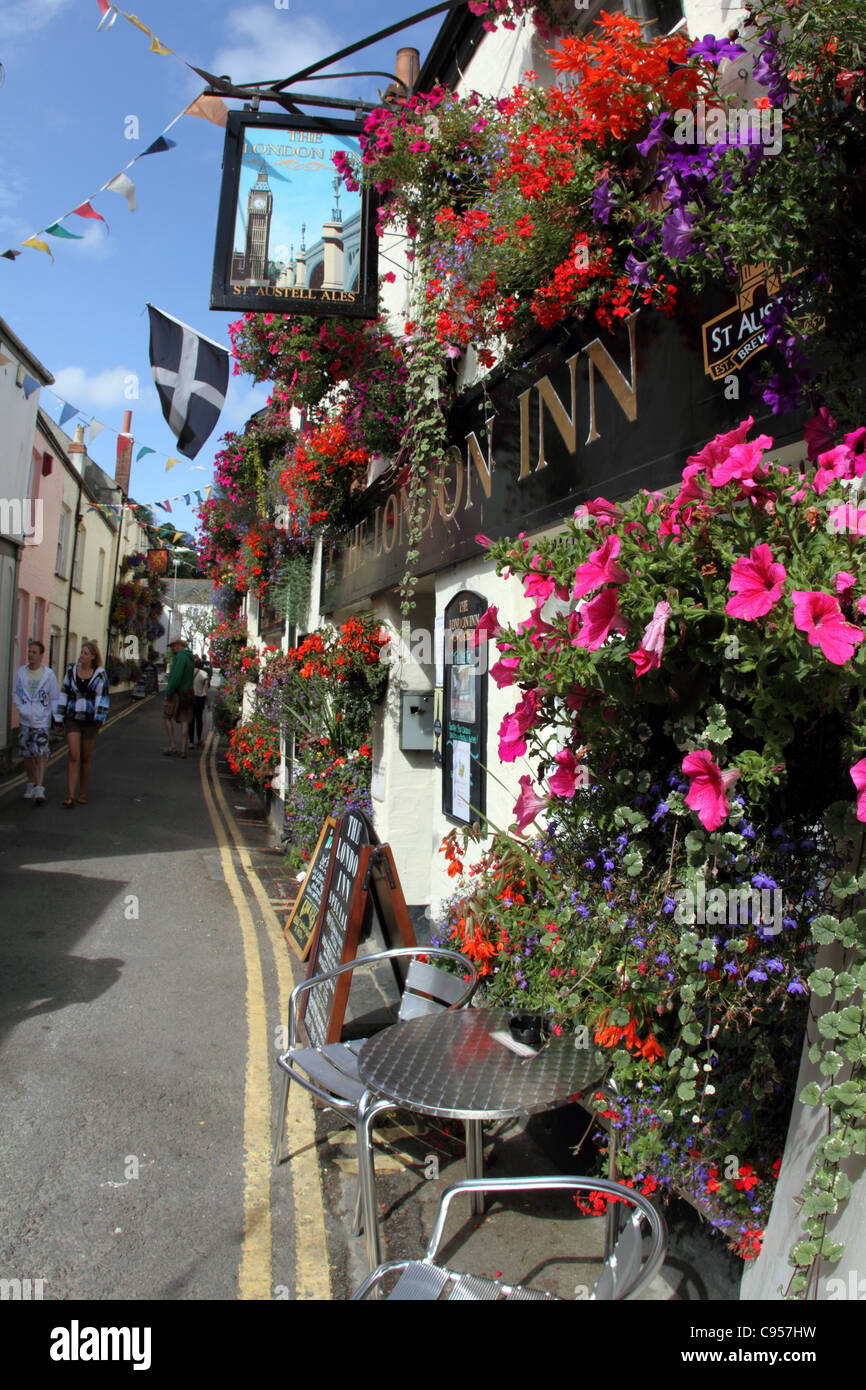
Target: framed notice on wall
point(464, 712)
point(291, 239)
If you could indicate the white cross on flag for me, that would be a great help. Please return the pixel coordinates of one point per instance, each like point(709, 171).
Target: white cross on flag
point(192, 377)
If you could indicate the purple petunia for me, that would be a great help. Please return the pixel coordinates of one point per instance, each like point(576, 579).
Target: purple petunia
point(603, 203)
point(656, 134)
point(713, 50)
point(678, 234)
point(638, 272)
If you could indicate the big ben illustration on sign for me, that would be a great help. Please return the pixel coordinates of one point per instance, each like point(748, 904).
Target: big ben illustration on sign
point(251, 265)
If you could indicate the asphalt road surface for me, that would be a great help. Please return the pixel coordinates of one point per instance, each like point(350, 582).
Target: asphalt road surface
point(142, 981)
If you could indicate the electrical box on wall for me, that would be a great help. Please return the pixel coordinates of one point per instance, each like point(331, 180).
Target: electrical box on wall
point(416, 722)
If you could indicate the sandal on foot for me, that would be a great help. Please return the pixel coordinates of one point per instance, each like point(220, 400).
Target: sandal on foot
point(82, 801)
point(69, 804)
point(169, 752)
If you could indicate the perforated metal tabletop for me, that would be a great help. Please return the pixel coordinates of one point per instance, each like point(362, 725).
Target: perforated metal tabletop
point(447, 1064)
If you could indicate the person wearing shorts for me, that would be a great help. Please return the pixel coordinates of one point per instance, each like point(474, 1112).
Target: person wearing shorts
point(179, 697)
point(35, 694)
point(84, 704)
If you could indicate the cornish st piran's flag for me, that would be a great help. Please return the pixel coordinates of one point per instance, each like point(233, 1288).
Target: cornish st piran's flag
point(192, 377)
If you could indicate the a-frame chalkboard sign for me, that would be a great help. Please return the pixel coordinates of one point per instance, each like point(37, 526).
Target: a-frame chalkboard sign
point(358, 878)
point(301, 926)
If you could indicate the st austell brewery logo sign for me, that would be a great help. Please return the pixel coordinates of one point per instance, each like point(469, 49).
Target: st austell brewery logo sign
point(735, 337)
point(291, 238)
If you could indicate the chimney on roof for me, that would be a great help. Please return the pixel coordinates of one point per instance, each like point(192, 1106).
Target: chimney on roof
point(78, 451)
point(124, 455)
point(406, 69)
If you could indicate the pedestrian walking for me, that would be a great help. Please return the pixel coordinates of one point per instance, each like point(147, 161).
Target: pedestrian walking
point(179, 697)
point(200, 687)
point(35, 694)
point(84, 705)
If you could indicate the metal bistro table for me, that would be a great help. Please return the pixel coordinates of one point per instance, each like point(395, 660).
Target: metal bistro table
point(448, 1064)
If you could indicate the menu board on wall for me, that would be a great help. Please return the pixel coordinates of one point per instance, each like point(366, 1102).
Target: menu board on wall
point(464, 712)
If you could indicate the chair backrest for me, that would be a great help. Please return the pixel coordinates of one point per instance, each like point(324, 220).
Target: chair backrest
point(429, 990)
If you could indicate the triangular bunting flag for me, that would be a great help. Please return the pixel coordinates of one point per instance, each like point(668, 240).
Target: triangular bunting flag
point(170, 464)
point(133, 19)
point(144, 450)
point(178, 535)
point(207, 492)
point(109, 15)
point(30, 384)
point(96, 427)
point(192, 376)
point(160, 144)
point(157, 47)
point(37, 245)
point(210, 109)
point(122, 184)
point(11, 255)
point(67, 413)
point(87, 211)
point(163, 505)
point(56, 230)
point(186, 498)
point(198, 495)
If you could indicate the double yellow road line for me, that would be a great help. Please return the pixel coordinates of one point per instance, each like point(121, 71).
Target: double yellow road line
point(255, 1277)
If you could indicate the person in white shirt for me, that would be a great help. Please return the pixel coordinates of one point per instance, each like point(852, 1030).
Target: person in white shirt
point(35, 693)
point(200, 686)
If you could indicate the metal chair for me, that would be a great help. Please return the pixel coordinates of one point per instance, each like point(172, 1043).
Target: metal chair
point(330, 1070)
point(627, 1269)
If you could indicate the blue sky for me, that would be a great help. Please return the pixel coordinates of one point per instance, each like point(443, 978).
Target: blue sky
point(65, 108)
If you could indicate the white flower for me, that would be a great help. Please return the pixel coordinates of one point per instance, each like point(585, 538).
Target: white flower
point(709, 1090)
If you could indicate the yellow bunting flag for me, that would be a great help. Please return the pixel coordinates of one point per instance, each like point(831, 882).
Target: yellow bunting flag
point(133, 19)
point(171, 464)
point(157, 47)
point(38, 245)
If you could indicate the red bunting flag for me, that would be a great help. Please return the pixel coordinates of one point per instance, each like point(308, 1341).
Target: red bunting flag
point(85, 210)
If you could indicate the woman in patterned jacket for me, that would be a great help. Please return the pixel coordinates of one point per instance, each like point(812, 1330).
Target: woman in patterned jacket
point(84, 704)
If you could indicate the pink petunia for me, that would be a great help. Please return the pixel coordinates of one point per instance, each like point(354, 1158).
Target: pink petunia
point(487, 626)
point(597, 618)
point(599, 569)
point(513, 729)
point(527, 805)
point(569, 774)
point(709, 786)
point(843, 580)
point(652, 644)
point(504, 672)
point(743, 463)
point(756, 583)
point(820, 617)
point(848, 518)
point(858, 776)
point(604, 512)
point(718, 449)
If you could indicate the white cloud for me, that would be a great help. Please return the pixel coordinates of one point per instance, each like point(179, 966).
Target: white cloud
point(20, 17)
point(111, 389)
point(266, 44)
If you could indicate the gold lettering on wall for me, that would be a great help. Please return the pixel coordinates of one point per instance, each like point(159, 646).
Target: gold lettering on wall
point(566, 423)
point(483, 467)
point(625, 392)
point(523, 401)
point(444, 512)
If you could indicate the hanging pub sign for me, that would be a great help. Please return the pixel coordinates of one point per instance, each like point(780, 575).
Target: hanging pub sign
point(465, 712)
point(157, 561)
point(289, 238)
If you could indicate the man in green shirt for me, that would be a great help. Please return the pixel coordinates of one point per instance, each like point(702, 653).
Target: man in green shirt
point(179, 699)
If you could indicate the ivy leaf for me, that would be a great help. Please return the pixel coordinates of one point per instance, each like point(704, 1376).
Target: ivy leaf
point(811, 1094)
point(819, 1204)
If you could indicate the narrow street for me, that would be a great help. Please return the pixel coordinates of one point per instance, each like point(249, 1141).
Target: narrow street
point(143, 979)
